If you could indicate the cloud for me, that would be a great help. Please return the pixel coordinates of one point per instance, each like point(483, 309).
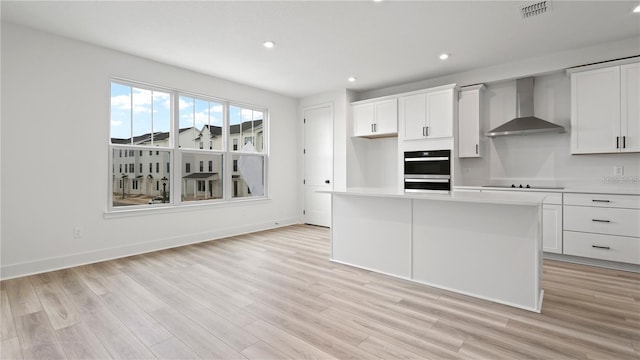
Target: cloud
point(116, 122)
point(141, 100)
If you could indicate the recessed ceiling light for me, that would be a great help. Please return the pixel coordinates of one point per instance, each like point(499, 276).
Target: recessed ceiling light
point(637, 9)
point(351, 79)
point(269, 44)
point(444, 56)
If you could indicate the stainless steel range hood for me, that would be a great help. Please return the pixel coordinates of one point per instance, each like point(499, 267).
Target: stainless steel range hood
point(525, 123)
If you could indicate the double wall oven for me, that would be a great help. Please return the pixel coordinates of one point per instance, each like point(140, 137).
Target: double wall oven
point(427, 171)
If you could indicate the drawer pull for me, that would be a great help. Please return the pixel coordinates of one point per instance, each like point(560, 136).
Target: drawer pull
point(604, 201)
point(602, 221)
point(601, 247)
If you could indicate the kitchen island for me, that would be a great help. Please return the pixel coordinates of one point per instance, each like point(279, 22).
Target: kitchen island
point(483, 245)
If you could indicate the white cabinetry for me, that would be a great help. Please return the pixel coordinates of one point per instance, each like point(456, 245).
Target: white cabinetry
point(602, 227)
point(605, 110)
point(469, 120)
point(552, 223)
point(376, 119)
point(428, 114)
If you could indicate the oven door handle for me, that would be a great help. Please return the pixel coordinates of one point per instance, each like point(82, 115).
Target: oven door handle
point(427, 159)
point(427, 180)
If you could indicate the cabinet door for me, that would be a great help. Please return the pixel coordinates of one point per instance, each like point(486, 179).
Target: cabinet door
point(552, 228)
point(414, 116)
point(386, 117)
point(440, 114)
point(469, 123)
point(630, 107)
point(363, 119)
point(595, 111)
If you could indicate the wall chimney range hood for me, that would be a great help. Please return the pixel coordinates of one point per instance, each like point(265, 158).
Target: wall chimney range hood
point(525, 123)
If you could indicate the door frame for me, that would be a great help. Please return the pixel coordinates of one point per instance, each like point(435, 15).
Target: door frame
point(304, 111)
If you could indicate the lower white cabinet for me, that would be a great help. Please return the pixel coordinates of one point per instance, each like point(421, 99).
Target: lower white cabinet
point(552, 228)
point(602, 226)
point(601, 246)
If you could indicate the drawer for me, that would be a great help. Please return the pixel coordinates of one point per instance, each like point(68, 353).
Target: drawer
point(603, 200)
point(612, 221)
point(605, 247)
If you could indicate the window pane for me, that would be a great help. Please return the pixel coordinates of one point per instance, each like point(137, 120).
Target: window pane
point(246, 129)
point(120, 114)
point(139, 116)
point(161, 118)
point(139, 188)
point(200, 124)
point(201, 185)
point(248, 180)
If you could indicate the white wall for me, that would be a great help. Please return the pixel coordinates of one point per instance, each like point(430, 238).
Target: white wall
point(55, 131)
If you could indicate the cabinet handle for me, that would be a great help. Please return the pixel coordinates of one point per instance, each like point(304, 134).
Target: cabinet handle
point(603, 201)
point(427, 131)
point(424, 133)
point(372, 128)
point(601, 247)
point(476, 149)
point(375, 127)
point(617, 142)
point(624, 142)
point(602, 221)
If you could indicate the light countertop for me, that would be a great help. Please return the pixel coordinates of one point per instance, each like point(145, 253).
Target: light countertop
point(528, 199)
point(623, 190)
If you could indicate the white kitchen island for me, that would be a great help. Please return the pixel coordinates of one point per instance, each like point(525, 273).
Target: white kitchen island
point(483, 245)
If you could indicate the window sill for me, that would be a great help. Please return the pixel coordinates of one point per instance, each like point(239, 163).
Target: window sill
point(155, 210)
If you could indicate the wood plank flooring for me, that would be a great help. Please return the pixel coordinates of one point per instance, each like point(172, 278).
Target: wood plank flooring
point(275, 295)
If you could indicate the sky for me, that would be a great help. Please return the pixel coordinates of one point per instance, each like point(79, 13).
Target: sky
point(142, 111)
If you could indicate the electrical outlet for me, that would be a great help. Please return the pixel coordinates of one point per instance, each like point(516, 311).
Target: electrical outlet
point(78, 232)
point(618, 170)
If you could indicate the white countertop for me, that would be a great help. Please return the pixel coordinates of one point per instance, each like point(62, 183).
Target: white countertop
point(528, 199)
point(626, 190)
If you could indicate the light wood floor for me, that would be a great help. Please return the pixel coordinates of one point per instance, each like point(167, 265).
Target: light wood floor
point(275, 295)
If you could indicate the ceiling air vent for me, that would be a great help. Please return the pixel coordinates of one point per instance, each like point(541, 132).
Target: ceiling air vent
point(535, 9)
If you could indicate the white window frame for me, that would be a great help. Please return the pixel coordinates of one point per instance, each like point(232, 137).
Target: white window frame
point(175, 154)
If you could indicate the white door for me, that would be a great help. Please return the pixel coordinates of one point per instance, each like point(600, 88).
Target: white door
point(318, 165)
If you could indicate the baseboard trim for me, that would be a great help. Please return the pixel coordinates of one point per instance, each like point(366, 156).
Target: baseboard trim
point(593, 262)
point(64, 262)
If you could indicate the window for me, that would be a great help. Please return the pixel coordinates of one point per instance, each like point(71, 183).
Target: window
point(214, 134)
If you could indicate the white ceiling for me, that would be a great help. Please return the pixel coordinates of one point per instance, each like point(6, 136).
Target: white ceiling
point(319, 44)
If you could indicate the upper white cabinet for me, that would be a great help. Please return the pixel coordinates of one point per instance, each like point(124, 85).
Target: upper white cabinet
point(428, 114)
point(469, 119)
point(376, 119)
point(605, 110)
